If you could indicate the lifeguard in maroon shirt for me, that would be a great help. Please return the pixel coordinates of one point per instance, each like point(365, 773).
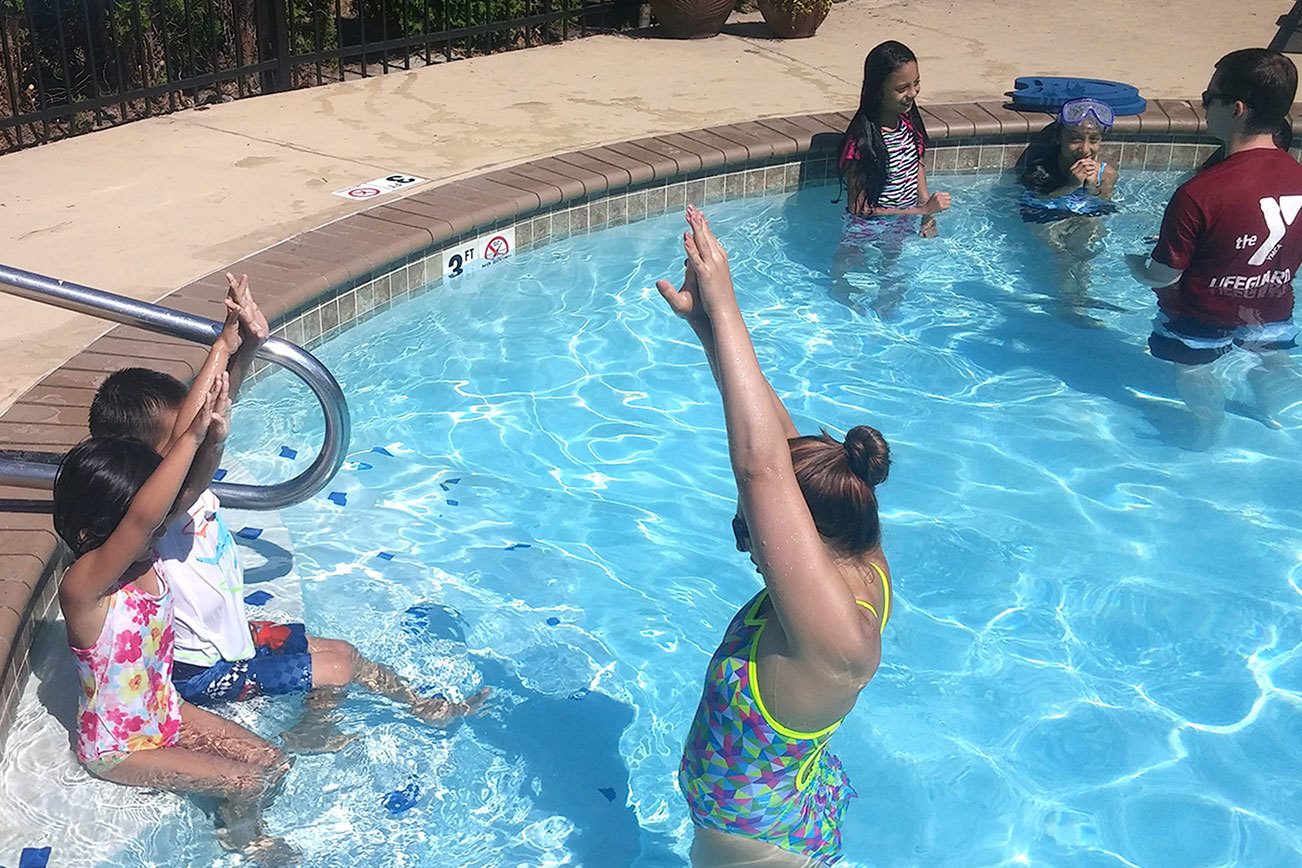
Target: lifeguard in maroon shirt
point(1231, 246)
point(1233, 230)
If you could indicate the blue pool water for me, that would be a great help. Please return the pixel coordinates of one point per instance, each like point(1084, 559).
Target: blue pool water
point(1095, 656)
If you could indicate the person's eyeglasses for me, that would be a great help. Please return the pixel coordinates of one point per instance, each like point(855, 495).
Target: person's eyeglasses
point(741, 533)
point(1209, 95)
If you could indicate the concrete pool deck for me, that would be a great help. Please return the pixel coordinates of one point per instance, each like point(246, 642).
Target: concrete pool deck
point(145, 208)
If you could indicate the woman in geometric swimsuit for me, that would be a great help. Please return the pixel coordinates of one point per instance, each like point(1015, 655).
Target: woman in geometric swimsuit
point(760, 785)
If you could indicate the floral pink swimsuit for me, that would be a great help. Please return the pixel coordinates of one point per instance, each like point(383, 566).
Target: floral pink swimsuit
point(127, 699)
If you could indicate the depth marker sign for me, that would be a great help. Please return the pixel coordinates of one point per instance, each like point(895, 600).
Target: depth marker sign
point(378, 187)
point(478, 253)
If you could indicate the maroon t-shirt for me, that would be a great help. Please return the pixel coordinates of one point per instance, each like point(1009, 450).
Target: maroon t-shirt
point(1234, 231)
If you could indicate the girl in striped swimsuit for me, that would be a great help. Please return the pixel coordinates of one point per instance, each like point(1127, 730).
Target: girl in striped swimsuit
point(881, 166)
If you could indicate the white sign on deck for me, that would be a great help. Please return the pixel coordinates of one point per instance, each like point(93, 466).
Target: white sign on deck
point(379, 186)
point(479, 252)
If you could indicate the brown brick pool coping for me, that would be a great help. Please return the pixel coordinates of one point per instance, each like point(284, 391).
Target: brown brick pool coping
point(318, 283)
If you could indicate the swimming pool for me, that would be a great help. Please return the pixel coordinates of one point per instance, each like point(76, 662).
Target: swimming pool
point(1094, 659)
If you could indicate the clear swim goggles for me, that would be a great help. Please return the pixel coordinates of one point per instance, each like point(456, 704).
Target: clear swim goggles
point(1075, 112)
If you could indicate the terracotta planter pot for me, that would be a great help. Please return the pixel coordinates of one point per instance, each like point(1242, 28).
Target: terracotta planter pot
point(790, 24)
point(692, 19)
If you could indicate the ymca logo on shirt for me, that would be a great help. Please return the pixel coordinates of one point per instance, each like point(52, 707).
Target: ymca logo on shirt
point(1280, 214)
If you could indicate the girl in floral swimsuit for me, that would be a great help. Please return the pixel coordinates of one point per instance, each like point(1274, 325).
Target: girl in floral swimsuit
point(112, 498)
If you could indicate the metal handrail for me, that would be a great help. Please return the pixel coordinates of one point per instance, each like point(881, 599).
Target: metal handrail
point(177, 324)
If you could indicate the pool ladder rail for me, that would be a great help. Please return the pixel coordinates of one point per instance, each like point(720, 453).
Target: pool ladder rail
point(177, 324)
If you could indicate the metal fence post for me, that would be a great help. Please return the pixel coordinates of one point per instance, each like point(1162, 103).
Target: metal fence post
point(273, 44)
point(284, 71)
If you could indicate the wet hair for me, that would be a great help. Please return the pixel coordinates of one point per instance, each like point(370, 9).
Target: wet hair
point(872, 166)
point(1038, 167)
point(93, 490)
point(1263, 80)
point(131, 401)
point(839, 481)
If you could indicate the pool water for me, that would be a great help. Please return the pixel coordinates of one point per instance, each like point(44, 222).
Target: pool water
point(1094, 659)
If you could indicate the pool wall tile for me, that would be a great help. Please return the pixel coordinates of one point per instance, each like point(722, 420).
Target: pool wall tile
point(636, 209)
point(969, 157)
point(791, 176)
point(329, 312)
point(734, 186)
point(578, 220)
point(1158, 156)
point(560, 225)
point(657, 200)
point(318, 283)
point(992, 156)
point(617, 210)
point(599, 214)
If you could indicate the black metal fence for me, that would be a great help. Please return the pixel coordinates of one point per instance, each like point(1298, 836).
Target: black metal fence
point(70, 66)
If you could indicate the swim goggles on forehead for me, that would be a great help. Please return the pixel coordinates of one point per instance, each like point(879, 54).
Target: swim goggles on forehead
point(1077, 110)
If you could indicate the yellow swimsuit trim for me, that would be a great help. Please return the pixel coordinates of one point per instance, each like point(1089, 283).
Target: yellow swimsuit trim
point(753, 619)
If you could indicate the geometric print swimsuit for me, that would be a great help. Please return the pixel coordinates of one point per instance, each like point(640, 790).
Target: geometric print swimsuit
point(746, 774)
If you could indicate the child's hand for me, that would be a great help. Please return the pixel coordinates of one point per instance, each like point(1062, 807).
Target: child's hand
point(1085, 170)
point(936, 203)
point(230, 333)
point(212, 414)
point(253, 325)
point(929, 228)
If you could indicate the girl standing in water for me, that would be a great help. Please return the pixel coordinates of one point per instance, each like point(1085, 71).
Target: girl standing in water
point(882, 168)
point(759, 783)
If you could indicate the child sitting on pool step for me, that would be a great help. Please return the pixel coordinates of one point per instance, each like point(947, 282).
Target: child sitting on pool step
point(112, 498)
point(220, 654)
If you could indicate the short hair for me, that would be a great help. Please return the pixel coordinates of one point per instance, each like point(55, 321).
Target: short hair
point(1263, 80)
point(96, 482)
point(129, 403)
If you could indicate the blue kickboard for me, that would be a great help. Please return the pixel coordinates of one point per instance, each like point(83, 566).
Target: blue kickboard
point(1047, 93)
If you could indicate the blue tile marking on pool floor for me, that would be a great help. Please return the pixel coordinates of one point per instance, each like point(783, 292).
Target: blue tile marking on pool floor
point(357, 466)
point(608, 792)
point(34, 857)
point(552, 622)
point(249, 532)
point(286, 452)
point(338, 498)
point(219, 475)
point(515, 546)
point(400, 801)
point(257, 598)
point(448, 483)
point(381, 451)
point(384, 556)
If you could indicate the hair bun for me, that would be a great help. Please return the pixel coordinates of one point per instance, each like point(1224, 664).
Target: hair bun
point(870, 457)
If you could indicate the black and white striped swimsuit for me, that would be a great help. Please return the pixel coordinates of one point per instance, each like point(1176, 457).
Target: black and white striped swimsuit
point(901, 190)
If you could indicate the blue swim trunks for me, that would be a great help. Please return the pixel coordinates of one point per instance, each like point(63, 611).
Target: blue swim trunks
point(280, 664)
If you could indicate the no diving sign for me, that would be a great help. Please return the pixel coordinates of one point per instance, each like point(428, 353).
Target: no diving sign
point(378, 187)
point(482, 251)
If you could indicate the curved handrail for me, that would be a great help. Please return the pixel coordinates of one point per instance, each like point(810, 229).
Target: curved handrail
point(164, 320)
